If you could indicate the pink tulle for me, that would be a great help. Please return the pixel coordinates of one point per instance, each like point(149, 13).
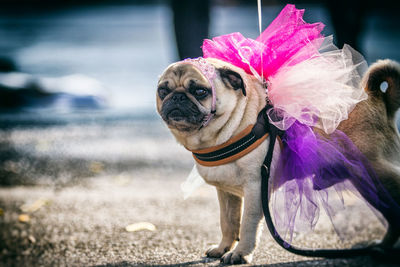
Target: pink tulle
point(282, 39)
point(315, 88)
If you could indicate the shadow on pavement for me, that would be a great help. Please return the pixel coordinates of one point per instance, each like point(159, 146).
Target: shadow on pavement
point(375, 260)
point(204, 260)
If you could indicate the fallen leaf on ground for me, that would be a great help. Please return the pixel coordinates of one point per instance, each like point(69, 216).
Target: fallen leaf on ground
point(1, 212)
point(32, 239)
point(24, 218)
point(34, 206)
point(140, 226)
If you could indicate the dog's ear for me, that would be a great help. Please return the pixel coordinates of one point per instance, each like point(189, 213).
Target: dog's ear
point(232, 79)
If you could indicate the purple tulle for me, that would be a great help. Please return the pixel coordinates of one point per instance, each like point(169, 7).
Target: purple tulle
point(312, 85)
point(315, 171)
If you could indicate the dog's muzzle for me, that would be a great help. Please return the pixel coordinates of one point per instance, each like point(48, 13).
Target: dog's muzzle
point(179, 108)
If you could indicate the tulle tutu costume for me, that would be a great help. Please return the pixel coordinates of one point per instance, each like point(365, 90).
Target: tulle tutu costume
point(312, 85)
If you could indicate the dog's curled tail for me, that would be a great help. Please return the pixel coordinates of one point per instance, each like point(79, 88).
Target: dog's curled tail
point(382, 80)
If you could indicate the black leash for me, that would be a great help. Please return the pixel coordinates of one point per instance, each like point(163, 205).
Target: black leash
point(265, 175)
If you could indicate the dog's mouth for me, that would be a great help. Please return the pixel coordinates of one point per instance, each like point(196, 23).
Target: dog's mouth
point(176, 115)
point(183, 119)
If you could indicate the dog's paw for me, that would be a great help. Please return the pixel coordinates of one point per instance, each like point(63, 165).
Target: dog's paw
point(236, 257)
point(216, 251)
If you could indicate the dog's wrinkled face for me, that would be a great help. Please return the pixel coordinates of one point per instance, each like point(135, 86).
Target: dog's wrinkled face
point(184, 95)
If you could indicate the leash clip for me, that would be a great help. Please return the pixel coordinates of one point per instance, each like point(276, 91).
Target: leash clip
point(265, 168)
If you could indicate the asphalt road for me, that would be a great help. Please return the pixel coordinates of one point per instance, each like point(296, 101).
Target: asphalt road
point(77, 214)
point(85, 225)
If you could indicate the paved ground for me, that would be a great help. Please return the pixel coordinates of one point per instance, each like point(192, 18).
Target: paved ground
point(85, 226)
point(80, 198)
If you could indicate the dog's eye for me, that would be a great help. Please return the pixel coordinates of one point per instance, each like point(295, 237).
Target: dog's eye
point(163, 92)
point(201, 92)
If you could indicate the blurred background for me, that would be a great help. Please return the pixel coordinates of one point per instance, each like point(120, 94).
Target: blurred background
point(78, 82)
point(96, 62)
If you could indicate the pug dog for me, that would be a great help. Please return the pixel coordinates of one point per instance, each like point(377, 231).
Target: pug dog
point(185, 100)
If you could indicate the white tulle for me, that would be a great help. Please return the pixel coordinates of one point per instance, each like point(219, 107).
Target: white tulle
point(320, 91)
point(192, 182)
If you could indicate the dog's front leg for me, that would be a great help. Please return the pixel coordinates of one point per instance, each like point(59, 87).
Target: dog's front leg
point(250, 226)
point(230, 213)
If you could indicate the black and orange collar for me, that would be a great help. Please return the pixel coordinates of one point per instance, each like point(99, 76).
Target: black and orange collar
point(236, 147)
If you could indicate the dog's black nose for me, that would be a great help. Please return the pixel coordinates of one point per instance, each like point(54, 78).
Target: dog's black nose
point(177, 97)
